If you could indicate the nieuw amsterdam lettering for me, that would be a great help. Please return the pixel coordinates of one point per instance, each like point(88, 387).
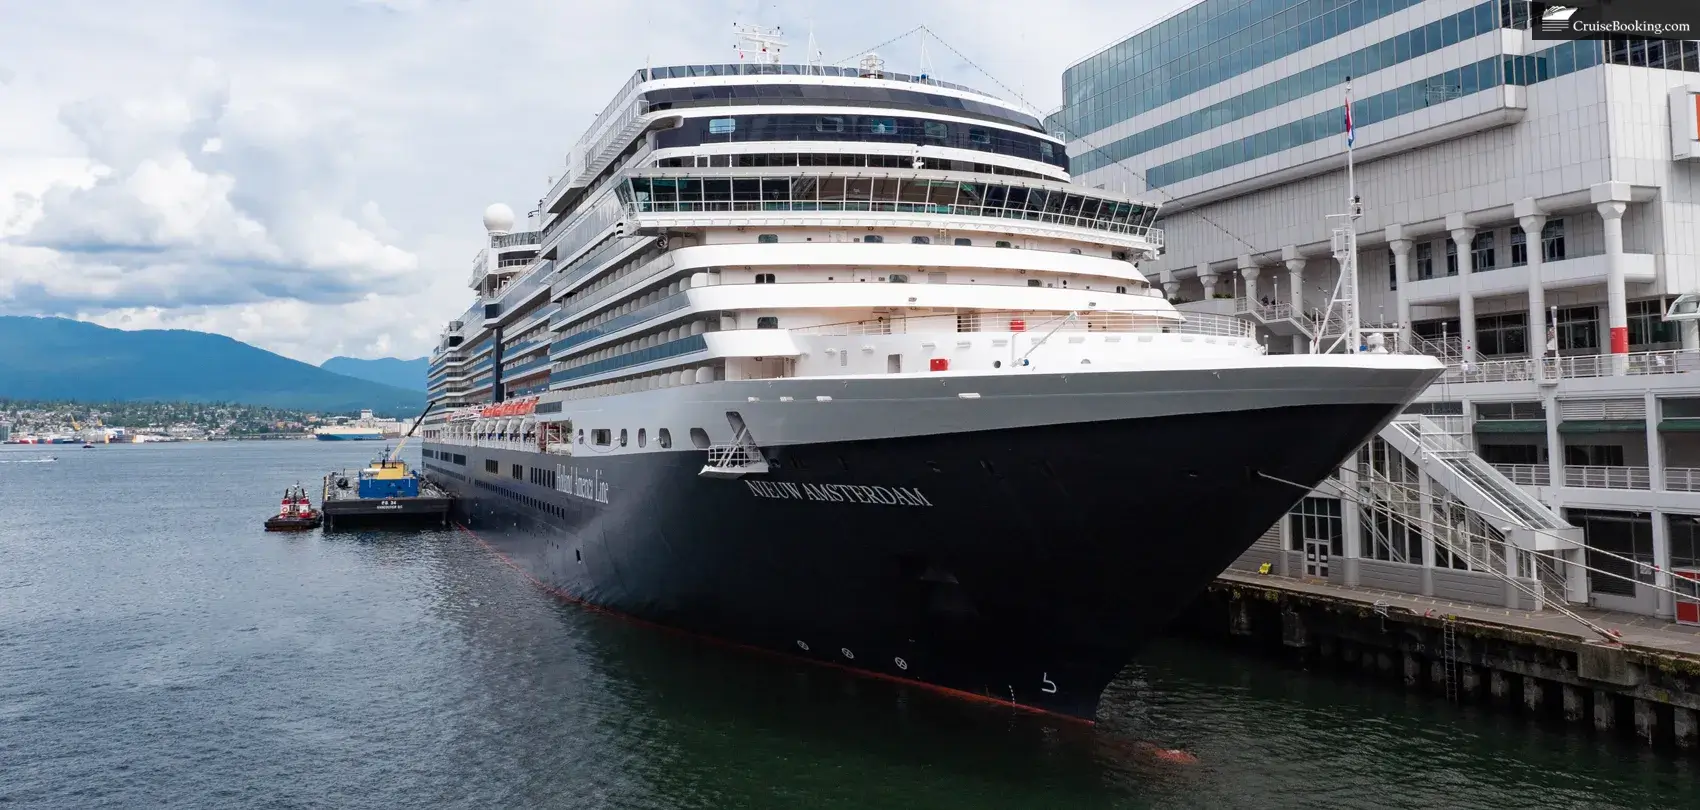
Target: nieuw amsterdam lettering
point(569, 480)
point(837, 493)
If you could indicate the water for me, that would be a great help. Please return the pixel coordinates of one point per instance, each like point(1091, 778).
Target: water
point(157, 649)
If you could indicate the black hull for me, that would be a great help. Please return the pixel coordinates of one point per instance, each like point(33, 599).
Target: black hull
point(1024, 565)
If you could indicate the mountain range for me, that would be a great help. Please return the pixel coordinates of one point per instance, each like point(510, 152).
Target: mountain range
point(409, 374)
point(62, 359)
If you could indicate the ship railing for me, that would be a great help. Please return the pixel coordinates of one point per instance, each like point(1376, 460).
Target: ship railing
point(1145, 233)
point(735, 456)
point(1139, 323)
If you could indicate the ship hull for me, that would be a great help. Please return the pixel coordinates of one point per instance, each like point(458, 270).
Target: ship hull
point(1023, 565)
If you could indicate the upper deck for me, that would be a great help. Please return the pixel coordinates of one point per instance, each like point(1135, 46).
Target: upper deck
point(652, 92)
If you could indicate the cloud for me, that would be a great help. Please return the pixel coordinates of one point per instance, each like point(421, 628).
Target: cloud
point(308, 176)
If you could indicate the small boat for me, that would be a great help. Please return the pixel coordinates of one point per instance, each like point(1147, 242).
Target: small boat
point(87, 446)
point(295, 514)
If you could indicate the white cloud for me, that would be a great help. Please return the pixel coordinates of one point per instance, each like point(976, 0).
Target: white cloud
point(308, 176)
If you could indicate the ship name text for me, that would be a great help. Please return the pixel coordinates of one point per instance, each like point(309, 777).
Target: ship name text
point(571, 482)
point(837, 493)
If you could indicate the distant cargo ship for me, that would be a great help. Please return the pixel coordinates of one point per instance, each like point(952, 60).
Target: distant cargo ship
point(345, 433)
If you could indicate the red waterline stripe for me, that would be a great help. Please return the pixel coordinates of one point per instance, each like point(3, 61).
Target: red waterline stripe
point(881, 676)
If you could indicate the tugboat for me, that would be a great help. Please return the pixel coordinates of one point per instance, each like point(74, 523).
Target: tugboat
point(296, 513)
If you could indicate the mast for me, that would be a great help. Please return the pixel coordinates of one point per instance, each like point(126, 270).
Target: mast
point(1341, 328)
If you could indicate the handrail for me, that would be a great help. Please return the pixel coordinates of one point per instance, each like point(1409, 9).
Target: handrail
point(1149, 234)
point(1594, 476)
point(1015, 321)
point(1570, 367)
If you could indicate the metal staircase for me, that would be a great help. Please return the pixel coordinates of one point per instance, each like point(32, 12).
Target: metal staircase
point(1441, 448)
point(737, 458)
point(1280, 318)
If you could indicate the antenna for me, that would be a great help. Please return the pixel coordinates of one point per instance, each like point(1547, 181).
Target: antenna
point(926, 71)
point(813, 59)
point(762, 44)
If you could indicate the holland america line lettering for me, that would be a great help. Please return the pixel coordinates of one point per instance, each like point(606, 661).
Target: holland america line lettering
point(837, 493)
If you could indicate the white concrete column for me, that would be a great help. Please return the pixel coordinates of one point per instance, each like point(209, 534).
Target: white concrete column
point(1532, 221)
point(1655, 443)
point(1296, 290)
point(1461, 234)
point(1661, 564)
point(1612, 200)
point(1351, 527)
point(1249, 271)
point(1555, 443)
point(1401, 249)
point(1171, 287)
point(1207, 277)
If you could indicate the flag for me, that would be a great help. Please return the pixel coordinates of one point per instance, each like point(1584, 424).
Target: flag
point(1351, 134)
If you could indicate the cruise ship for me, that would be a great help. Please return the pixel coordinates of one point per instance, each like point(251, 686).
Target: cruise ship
point(838, 362)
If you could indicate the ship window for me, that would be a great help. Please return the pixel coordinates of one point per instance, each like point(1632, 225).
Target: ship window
point(1002, 243)
point(622, 437)
point(1075, 251)
point(964, 241)
point(643, 439)
point(768, 238)
point(490, 466)
point(764, 278)
point(882, 126)
point(1121, 289)
point(600, 437)
point(1033, 282)
point(920, 240)
point(767, 322)
point(664, 438)
point(936, 130)
point(873, 238)
point(581, 435)
point(898, 278)
point(1119, 255)
point(518, 472)
point(699, 437)
point(829, 123)
point(979, 136)
point(1045, 151)
point(722, 126)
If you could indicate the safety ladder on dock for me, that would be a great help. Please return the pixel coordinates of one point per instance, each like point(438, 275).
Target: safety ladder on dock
point(1449, 656)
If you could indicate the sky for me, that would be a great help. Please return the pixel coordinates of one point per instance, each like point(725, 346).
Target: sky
point(309, 176)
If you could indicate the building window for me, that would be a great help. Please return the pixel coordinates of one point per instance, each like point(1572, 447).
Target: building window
point(1519, 247)
point(1318, 519)
point(768, 238)
point(1647, 326)
point(1481, 251)
point(1392, 271)
point(1593, 455)
point(1425, 261)
point(1503, 334)
point(1552, 241)
point(920, 240)
point(1451, 257)
point(1578, 329)
point(1394, 540)
point(1684, 541)
point(1611, 537)
point(664, 438)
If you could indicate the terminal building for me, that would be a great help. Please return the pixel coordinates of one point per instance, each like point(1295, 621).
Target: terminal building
point(1530, 212)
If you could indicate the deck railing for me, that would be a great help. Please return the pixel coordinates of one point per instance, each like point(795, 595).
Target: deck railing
point(1194, 323)
point(1598, 477)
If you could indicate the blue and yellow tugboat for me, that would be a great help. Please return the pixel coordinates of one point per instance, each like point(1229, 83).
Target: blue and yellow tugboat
point(384, 492)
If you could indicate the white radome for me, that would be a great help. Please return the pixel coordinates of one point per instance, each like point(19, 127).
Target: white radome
point(498, 218)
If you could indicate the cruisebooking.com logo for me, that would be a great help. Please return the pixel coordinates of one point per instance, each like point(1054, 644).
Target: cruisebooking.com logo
point(1606, 19)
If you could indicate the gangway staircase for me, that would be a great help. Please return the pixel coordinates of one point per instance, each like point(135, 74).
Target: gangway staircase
point(1280, 317)
point(1442, 450)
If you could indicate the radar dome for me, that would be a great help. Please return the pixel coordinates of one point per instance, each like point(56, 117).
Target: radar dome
point(498, 218)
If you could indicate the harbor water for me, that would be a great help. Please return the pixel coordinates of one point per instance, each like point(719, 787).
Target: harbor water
point(158, 649)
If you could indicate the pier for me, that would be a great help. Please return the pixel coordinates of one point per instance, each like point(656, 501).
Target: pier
point(344, 508)
point(1540, 663)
